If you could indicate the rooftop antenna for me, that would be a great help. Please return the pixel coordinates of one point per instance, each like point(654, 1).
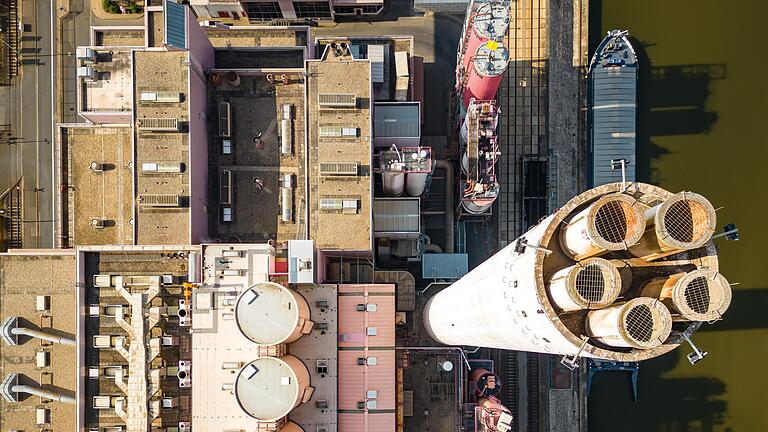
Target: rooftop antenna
point(621, 163)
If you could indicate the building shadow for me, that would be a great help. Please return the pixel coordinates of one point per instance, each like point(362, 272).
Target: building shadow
point(671, 100)
point(392, 11)
point(688, 404)
point(747, 312)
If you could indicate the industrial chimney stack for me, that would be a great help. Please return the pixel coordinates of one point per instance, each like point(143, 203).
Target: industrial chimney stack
point(616, 273)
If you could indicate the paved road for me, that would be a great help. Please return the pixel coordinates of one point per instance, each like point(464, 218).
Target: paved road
point(26, 105)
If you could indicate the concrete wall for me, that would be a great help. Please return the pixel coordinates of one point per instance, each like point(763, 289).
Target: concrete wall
point(201, 59)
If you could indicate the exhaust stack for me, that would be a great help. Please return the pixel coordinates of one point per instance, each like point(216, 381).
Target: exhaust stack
point(590, 284)
point(700, 295)
point(641, 323)
point(683, 221)
point(611, 223)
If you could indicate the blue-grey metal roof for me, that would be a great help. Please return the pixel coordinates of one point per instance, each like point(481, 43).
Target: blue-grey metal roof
point(396, 120)
point(614, 106)
point(396, 217)
point(175, 25)
point(443, 266)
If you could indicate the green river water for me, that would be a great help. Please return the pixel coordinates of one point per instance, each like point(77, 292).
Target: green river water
point(702, 126)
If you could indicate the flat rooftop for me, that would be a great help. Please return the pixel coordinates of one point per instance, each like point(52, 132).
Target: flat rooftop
point(258, 37)
point(255, 165)
point(340, 203)
point(119, 37)
point(100, 198)
point(23, 277)
point(248, 58)
point(161, 138)
point(110, 90)
point(141, 282)
point(220, 348)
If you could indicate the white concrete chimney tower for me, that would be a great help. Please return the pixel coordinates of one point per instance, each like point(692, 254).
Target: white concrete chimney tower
point(617, 274)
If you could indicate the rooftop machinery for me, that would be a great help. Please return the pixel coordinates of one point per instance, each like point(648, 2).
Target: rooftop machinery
point(406, 168)
point(623, 272)
point(481, 62)
point(477, 134)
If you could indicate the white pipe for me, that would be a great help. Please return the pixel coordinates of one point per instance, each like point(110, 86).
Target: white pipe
point(44, 336)
point(48, 394)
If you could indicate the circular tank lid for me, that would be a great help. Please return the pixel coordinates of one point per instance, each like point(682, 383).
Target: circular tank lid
point(491, 59)
point(267, 388)
point(267, 313)
point(492, 20)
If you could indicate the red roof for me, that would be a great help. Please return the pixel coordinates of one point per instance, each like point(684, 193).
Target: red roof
point(358, 341)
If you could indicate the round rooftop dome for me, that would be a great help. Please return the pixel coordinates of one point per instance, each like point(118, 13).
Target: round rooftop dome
point(268, 388)
point(271, 314)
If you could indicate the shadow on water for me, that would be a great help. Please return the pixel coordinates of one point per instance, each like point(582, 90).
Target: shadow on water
point(699, 402)
point(671, 100)
point(747, 312)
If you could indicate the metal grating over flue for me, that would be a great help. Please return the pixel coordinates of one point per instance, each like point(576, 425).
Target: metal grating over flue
point(611, 221)
point(590, 283)
point(679, 219)
point(639, 323)
point(697, 295)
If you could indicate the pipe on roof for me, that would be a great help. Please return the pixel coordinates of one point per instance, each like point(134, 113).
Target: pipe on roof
point(64, 340)
point(449, 176)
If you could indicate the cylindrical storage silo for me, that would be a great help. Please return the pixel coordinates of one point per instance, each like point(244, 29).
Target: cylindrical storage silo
point(491, 21)
point(684, 221)
point(486, 71)
point(641, 323)
point(271, 314)
point(700, 295)
point(415, 182)
point(268, 388)
point(393, 183)
point(593, 283)
point(486, 383)
point(613, 222)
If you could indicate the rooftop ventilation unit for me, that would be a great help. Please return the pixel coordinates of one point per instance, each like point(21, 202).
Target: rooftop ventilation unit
point(336, 100)
point(159, 200)
point(225, 123)
point(86, 54)
point(331, 204)
point(156, 124)
point(160, 97)
point(225, 187)
point(97, 223)
point(160, 167)
point(338, 168)
point(349, 206)
point(86, 72)
point(330, 131)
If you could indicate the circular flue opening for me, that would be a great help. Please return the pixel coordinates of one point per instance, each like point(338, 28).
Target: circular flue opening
point(590, 283)
point(697, 295)
point(639, 323)
point(182, 374)
point(647, 323)
point(702, 295)
point(182, 313)
point(685, 220)
point(611, 222)
point(616, 222)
